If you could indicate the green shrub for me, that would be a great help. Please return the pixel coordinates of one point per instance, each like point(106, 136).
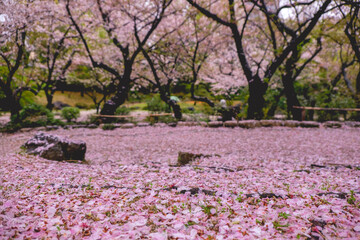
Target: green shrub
point(70, 113)
point(34, 115)
point(83, 106)
point(108, 127)
point(354, 116)
point(157, 105)
point(328, 116)
point(122, 110)
point(11, 127)
point(160, 119)
point(208, 110)
point(93, 119)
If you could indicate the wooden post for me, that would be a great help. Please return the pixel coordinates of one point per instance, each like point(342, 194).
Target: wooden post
point(303, 114)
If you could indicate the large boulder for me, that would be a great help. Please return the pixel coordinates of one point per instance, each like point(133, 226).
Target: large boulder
point(186, 157)
point(55, 148)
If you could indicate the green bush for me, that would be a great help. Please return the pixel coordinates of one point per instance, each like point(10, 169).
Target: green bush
point(160, 119)
point(83, 106)
point(327, 116)
point(93, 119)
point(122, 110)
point(70, 113)
point(157, 105)
point(108, 127)
point(354, 116)
point(11, 127)
point(34, 115)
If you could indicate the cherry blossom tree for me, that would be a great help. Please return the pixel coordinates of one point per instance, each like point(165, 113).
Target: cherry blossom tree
point(233, 14)
point(98, 84)
point(198, 40)
point(350, 11)
point(352, 31)
point(54, 46)
point(162, 63)
point(17, 20)
point(292, 69)
point(119, 20)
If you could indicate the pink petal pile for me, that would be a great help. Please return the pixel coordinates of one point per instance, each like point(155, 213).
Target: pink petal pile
point(265, 183)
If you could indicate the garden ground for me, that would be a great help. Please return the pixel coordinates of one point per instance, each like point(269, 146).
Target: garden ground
point(260, 183)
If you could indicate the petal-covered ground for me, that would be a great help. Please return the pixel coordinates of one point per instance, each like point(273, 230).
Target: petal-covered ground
point(264, 183)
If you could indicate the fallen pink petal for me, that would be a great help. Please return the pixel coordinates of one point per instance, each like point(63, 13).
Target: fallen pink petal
point(131, 185)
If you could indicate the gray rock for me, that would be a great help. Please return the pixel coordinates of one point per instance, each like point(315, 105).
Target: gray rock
point(26, 129)
point(55, 148)
point(92, 126)
point(58, 105)
point(271, 123)
point(231, 124)
point(187, 124)
point(203, 124)
point(249, 124)
point(143, 124)
point(37, 129)
point(78, 126)
point(215, 124)
point(50, 128)
point(172, 124)
point(291, 123)
point(51, 151)
point(332, 124)
point(160, 125)
point(128, 125)
point(182, 124)
point(186, 157)
point(352, 124)
point(309, 124)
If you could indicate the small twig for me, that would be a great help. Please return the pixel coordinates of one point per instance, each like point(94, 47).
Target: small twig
point(336, 166)
point(196, 190)
point(213, 168)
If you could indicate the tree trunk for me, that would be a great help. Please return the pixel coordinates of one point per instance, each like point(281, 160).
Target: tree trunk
point(291, 97)
point(173, 104)
point(198, 98)
point(49, 99)
point(114, 102)
point(176, 109)
point(121, 94)
point(14, 104)
point(271, 112)
point(357, 96)
point(256, 101)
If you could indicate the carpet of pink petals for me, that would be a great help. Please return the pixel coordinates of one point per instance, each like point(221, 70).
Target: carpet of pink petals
point(130, 188)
